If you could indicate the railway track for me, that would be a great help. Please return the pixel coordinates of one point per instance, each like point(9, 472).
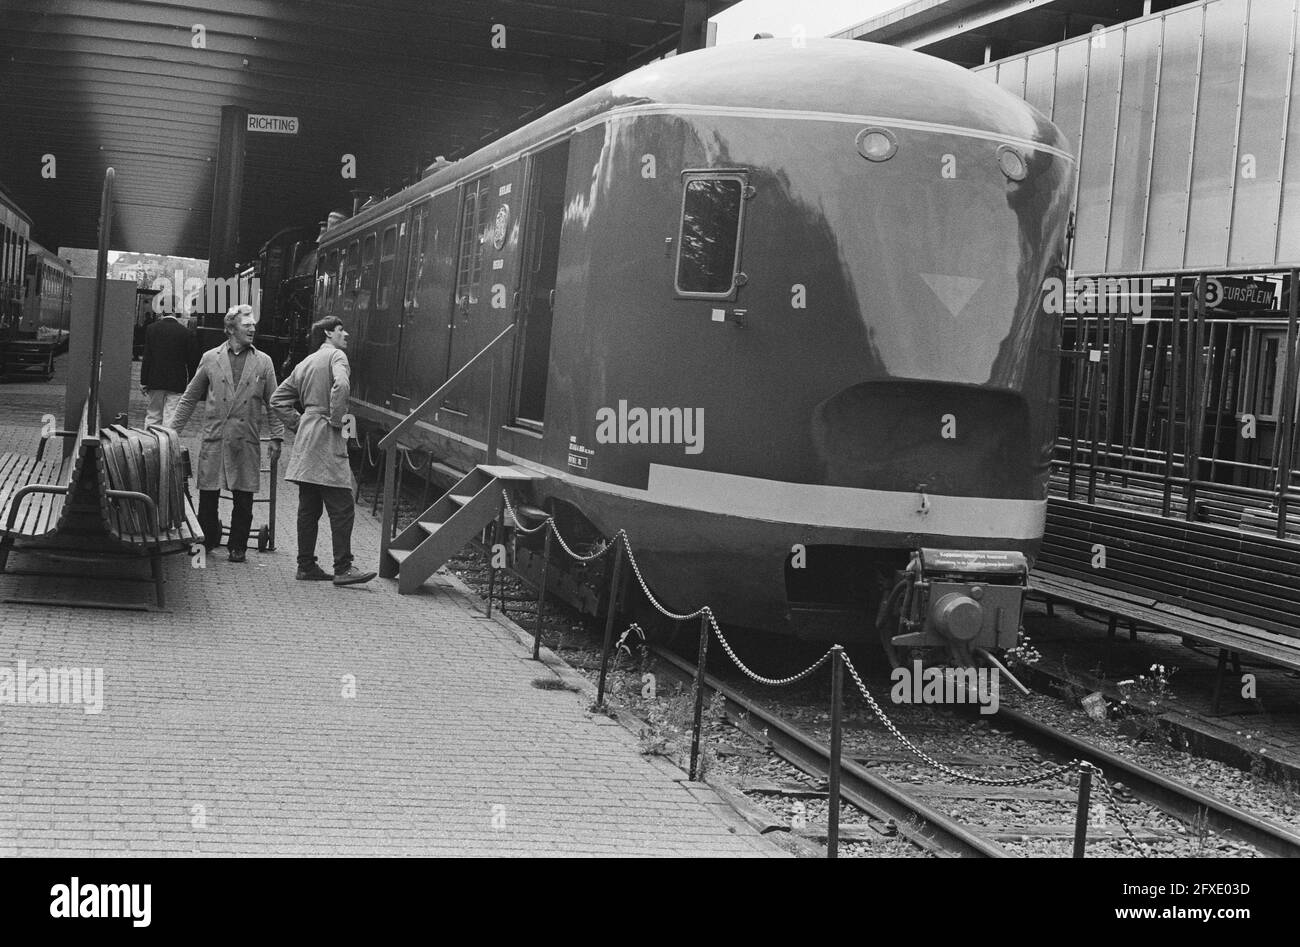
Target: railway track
point(880, 799)
point(914, 812)
point(915, 815)
point(1181, 801)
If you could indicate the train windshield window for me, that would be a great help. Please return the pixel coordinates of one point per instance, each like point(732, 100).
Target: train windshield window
point(708, 254)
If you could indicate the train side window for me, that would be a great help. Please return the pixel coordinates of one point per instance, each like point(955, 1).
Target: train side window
point(708, 254)
point(473, 224)
point(349, 263)
point(386, 254)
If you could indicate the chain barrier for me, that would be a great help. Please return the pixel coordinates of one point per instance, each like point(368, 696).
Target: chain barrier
point(406, 456)
point(1114, 807)
point(527, 531)
point(555, 531)
point(754, 675)
point(1054, 772)
point(941, 767)
point(645, 589)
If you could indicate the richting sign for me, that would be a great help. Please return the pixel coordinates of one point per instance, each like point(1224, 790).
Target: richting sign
point(276, 124)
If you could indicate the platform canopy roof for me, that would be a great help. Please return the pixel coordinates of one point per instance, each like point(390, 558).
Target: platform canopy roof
point(971, 32)
point(139, 85)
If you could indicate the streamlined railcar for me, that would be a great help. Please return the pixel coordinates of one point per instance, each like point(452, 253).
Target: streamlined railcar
point(779, 315)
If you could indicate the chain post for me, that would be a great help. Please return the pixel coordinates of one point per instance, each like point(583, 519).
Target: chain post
point(497, 534)
point(699, 694)
point(614, 580)
point(541, 596)
point(1081, 813)
point(833, 773)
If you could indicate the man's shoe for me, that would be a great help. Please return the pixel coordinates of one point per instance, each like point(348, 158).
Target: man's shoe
point(238, 555)
point(353, 576)
point(314, 574)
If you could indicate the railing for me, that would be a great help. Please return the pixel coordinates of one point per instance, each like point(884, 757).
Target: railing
point(1186, 400)
point(389, 443)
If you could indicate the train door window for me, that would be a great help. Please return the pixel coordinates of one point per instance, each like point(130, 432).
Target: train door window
point(350, 265)
point(416, 258)
point(542, 253)
point(473, 225)
point(386, 254)
point(321, 299)
point(708, 255)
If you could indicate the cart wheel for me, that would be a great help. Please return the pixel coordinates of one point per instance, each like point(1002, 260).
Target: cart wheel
point(264, 539)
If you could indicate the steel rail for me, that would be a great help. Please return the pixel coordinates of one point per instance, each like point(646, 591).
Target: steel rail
point(1176, 799)
point(859, 787)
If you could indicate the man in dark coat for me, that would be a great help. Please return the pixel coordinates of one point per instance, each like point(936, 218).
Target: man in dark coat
point(238, 382)
point(165, 368)
point(321, 384)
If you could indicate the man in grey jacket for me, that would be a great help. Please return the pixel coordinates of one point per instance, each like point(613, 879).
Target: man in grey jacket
point(321, 384)
point(237, 380)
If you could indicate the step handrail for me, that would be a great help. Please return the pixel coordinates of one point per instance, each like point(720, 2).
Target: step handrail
point(388, 443)
point(390, 439)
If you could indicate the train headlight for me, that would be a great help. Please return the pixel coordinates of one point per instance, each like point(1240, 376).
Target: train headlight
point(877, 144)
point(1012, 163)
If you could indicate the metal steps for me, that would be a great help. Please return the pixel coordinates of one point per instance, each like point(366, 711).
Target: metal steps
point(444, 528)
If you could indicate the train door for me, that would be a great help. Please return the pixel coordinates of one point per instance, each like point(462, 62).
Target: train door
point(542, 256)
point(427, 296)
point(384, 331)
point(487, 275)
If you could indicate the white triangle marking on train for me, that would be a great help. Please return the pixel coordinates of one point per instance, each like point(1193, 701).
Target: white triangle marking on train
point(953, 291)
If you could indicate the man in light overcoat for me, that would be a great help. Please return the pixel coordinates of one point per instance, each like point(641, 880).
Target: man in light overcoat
point(238, 382)
point(321, 384)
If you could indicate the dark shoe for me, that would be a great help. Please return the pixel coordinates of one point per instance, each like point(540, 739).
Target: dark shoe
point(353, 576)
point(314, 573)
point(238, 555)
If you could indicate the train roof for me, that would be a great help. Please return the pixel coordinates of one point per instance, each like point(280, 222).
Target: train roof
point(6, 200)
point(34, 248)
point(826, 76)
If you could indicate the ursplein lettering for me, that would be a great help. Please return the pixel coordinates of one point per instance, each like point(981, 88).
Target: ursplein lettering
point(968, 685)
point(78, 900)
point(37, 685)
point(651, 426)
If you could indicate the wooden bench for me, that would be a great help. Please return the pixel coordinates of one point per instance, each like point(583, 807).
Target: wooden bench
point(1235, 591)
point(119, 494)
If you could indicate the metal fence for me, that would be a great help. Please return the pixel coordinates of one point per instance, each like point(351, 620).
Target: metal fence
point(1186, 409)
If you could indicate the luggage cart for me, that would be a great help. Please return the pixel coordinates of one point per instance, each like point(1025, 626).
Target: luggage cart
point(265, 534)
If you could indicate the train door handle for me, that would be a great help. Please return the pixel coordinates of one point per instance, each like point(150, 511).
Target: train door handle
point(551, 300)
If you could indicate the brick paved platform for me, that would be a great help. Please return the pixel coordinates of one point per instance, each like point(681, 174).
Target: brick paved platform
point(225, 730)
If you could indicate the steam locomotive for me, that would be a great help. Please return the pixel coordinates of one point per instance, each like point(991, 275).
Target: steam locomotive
point(779, 315)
